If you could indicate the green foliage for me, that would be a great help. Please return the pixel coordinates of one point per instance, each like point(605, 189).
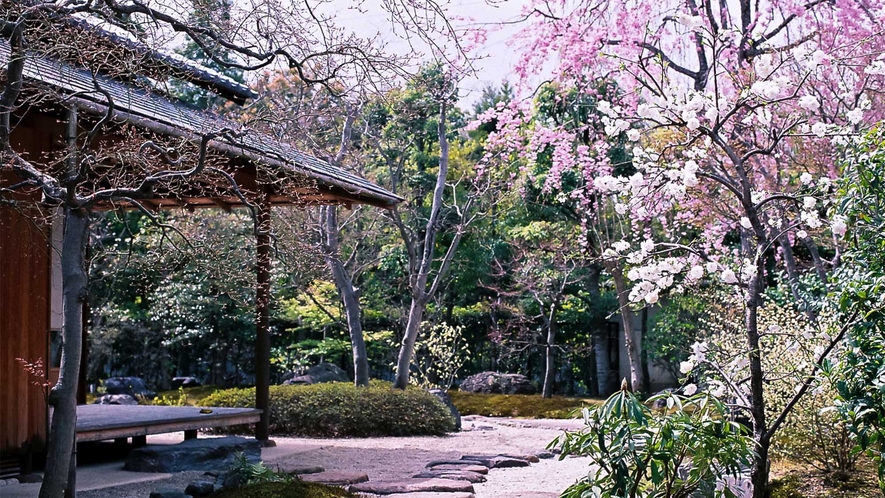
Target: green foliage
point(519, 405)
point(176, 398)
point(684, 451)
point(249, 473)
point(284, 489)
point(672, 331)
point(340, 409)
point(192, 396)
point(860, 372)
point(786, 487)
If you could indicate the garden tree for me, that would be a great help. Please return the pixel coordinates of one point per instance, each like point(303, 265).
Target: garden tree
point(417, 122)
point(542, 271)
point(78, 182)
point(725, 102)
point(861, 280)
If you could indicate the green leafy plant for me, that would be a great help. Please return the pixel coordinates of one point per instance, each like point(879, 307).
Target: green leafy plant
point(247, 472)
point(341, 409)
point(177, 399)
point(440, 353)
point(688, 449)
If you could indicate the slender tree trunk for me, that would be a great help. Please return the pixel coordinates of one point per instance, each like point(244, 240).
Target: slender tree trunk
point(63, 397)
point(416, 315)
point(349, 296)
point(550, 355)
point(604, 379)
point(631, 341)
point(759, 475)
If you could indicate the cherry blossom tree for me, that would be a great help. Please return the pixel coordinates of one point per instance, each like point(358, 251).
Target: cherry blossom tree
point(736, 111)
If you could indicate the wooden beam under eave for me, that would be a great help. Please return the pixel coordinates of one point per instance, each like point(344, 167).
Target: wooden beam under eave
point(225, 206)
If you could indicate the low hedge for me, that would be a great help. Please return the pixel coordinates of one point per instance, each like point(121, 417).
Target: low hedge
point(340, 409)
point(286, 489)
point(518, 405)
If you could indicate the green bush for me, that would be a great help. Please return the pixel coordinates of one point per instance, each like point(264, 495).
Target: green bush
point(518, 405)
point(284, 489)
point(340, 409)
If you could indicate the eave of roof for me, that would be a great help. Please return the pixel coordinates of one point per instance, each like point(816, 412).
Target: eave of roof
point(174, 117)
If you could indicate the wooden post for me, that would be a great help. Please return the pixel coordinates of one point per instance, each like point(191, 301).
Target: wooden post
point(262, 322)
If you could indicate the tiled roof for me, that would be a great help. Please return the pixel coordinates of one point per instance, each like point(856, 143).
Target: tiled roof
point(155, 107)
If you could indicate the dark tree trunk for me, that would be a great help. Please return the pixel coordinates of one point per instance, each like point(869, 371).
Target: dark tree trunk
point(550, 355)
point(63, 397)
point(631, 341)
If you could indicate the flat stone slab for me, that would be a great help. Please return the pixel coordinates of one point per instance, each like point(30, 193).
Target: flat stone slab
point(544, 455)
point(413, 486)
point(462, 462)
point(479, 469)
point(195, 454)
point(528, 457)
point(335, 478)
point(458, 475)
point(301, 470)
point(431, 495)
point(496, 461)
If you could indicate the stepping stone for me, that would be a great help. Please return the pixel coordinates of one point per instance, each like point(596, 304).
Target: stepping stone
point(528, 457)
point(431, 495)
point(479, 469)
point(461, 462)
point(457, 475)
point(544, 455)
point(335, 478)
point(413, 486)
point(302, 470)
point(496, 461)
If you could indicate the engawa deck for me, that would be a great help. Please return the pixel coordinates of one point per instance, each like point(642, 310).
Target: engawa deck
point(102, 422)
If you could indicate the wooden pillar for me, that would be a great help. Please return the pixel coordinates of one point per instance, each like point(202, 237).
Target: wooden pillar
point(262, 320)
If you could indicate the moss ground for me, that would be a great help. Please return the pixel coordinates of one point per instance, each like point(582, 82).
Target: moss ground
point(519, 405)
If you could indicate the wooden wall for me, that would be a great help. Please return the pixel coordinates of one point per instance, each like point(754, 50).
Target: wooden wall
point(24, 309)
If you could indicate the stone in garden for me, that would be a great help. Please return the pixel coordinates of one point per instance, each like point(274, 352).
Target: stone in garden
point(544, 455)
point(115, 399)
point(413, 486)
point(431, 495)
point(200, 488)
point(444, 397)
point(498, 383)
point(195, 454)
point(317, 374)
point(302, 470)
point(497, 461)
point(185, 382)
point(335, 478)
point(458, 475)
point(133, 386)
point(462, 462)
point(528, 457)
point(479, 469)
point(30, 478)
point(168, 493)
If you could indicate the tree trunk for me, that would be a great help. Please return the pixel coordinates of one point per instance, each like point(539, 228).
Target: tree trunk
point(550, 363)
point(631, 341)
point(416, 315)
point(759, 475)
point(349, 297)
point(63, 397)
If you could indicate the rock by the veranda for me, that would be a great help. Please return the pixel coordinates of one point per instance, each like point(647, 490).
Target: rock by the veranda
point(458, 475)
point(200, 488)
point(168, 493)
point(336, 478)
point(115, 399)
point(185, 382)
point(317, 374)
point(194, 454)
point(133, 386)
point(413, 486)
point(479, 469)
point(498, 383)
point(30, 478)
point(444, 397)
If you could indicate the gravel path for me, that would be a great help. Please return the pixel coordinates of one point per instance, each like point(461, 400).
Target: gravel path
point(397, 458)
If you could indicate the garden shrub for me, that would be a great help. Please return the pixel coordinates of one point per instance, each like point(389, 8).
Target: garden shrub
point(341, 409)
point(518, 405)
